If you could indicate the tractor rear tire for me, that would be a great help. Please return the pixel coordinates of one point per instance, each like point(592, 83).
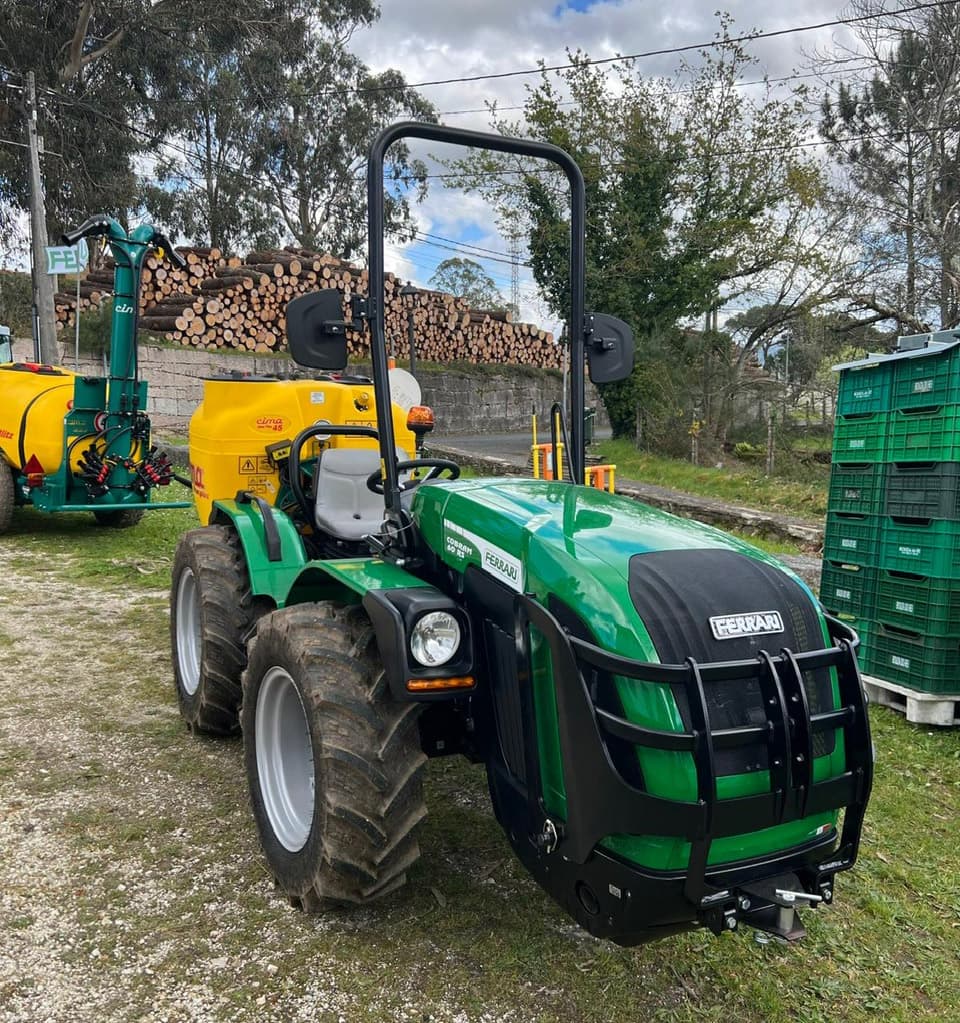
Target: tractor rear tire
point(118, 518)
point(7, 496)
point(212, 613)
point(333, 762)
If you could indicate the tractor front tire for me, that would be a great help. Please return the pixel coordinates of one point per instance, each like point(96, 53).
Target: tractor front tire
point(7, 496)
point(212, 613)
point(333, 762)
point(118, 518)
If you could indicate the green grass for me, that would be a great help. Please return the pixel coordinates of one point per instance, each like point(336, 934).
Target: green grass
point(160, 894)
point(140, 556)
point(765, 543)
point(735, 485)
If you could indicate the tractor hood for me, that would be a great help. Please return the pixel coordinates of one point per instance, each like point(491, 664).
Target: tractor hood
point(580, 546)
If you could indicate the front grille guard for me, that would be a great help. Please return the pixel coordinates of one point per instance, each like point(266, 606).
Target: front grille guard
point(600, 802)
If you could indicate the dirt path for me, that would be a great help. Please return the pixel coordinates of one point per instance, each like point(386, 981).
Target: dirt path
point(122, 843)
point(131, 882)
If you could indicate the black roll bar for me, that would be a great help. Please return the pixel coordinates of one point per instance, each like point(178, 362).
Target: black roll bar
point(375, 310)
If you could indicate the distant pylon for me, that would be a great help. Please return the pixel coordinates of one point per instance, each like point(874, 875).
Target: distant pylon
point(515, 270)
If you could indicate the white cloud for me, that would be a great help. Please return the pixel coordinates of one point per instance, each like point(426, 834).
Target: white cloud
point(435, 40)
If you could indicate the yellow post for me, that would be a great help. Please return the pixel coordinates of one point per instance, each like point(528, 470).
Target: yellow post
point(535, 451)
point(558, 468)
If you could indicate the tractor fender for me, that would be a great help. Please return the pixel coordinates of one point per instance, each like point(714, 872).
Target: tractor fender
point(272, 547)
point(394, 600)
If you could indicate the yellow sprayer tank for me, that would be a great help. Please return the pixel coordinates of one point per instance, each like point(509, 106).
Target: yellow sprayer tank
point(33, 403)
point(239, 418)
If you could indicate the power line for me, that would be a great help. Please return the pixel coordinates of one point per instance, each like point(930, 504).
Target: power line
point(670, 92)
point(23, 145)
point(663, 52)
point(467, 245)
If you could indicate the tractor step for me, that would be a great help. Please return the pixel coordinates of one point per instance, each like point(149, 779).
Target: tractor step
point(919, 708)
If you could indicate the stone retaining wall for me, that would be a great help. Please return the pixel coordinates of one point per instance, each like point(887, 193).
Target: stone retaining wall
point(465, 400)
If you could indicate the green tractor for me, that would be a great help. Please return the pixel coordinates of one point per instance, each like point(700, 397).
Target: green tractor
point(82, 443)
point(674, 733)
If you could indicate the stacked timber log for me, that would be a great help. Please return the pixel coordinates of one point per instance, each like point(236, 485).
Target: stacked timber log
point(159, 279)
point(229, 303)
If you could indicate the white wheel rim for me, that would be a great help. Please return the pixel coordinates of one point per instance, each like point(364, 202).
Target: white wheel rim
point(189, 640)
point(284, 759)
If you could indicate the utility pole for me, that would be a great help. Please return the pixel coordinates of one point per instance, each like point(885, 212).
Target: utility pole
point(45, 331)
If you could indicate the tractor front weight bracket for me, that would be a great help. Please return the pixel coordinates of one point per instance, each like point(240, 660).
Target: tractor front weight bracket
point(601, 802)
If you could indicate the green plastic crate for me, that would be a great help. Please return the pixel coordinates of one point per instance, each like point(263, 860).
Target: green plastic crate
point(924, 663)
point(856, 487)
point(864, 629)
point(860, 438)
point(919, 603)
point(924, 436)
point(852, 539)
point(923, 490)
point(847, 591)
point(865, 390)
point(927, 380)
point(920, 547)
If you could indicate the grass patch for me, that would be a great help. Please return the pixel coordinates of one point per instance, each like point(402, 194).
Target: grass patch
point(162, 907)
point(73, 543)
point(749, 487)
point(764, 543)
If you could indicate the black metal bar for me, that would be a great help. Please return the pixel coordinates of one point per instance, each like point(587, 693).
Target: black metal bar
point(601, 802)
point(271, 534)
point(858, 750)
point(695, 885)
point(779, 748)
point(799, 709)
point(375, 225)
point(620, 728)
point(831, 719)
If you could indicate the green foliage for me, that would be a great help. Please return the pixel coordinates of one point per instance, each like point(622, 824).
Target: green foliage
point(241, 105)
point(310, 147)
point(469, 281)
point(16, 299)
point(685, 210)
point(896, 135)
point(278, 140)
point(748, 452)
point(95, 324)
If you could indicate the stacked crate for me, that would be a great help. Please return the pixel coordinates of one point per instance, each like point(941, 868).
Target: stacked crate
point(892, 546)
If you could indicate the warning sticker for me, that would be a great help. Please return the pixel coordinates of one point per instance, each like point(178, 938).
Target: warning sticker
point(248, 465)
point(260, 485)
point(264, 464)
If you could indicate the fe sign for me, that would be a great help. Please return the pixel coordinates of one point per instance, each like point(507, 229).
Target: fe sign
point(67, 259)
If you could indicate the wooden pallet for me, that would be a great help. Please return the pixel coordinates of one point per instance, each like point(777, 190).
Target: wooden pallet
point(919, 708)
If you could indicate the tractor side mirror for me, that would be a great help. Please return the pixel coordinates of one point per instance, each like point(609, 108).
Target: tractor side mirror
point(610, 347)
point(317, 331)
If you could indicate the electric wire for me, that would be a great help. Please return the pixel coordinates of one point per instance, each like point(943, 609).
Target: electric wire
point(663, 51)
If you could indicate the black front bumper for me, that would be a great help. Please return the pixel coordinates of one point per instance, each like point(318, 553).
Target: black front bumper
point(619, 900)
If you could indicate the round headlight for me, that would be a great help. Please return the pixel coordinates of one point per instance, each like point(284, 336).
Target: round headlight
point(435, 639)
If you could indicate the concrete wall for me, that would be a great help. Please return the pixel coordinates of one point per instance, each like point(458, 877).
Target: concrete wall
point(485, 400)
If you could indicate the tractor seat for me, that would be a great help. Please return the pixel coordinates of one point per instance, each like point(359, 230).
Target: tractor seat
point(345, 507)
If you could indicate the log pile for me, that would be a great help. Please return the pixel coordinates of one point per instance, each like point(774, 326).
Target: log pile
point(229, 303)
point(158, 279)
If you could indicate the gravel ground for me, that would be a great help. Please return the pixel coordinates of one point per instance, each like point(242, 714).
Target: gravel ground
point(132, 885)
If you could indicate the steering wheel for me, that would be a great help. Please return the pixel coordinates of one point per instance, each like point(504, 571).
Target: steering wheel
point(436, 465)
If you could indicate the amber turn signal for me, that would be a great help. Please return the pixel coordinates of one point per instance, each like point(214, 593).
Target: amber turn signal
point(431, 685)
point(420, 418)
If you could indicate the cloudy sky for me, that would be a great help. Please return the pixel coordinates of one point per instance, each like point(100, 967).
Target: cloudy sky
point(431, 40)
